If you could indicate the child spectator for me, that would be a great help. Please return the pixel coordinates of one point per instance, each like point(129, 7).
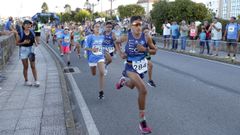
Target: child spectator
point(202, 38)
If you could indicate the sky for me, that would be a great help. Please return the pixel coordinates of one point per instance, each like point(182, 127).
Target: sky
point(30, 7)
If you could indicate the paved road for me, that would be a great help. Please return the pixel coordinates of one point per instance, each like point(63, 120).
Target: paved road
point(193, 97)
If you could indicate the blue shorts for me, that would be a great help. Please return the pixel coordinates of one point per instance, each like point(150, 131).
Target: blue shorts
point(25, 51)
point(232, 42)
point(202, 43)
point(129, 68)
point(215, 43)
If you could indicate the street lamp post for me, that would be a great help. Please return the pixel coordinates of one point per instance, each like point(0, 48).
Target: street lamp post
point(111, 1)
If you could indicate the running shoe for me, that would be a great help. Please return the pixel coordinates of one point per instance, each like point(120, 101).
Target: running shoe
point(27, 83)
point(228, 56)
point(36, 84)
point(101, 95)
point(120, 83)
point(144, 128)
point(151, 83)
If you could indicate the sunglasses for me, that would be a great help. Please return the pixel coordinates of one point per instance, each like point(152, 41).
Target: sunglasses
point(137, 24)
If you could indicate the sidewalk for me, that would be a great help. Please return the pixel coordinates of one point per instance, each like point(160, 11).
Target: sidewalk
point(221, 55)
point(32, 110)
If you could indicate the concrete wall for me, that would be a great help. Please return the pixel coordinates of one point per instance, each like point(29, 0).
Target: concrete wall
point(7, 45)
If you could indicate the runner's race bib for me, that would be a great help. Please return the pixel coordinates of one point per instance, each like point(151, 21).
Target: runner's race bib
point(230, 29)
point(192, 31)
point(110, 49)
point(76, 38)
point(140, 66)
point(66, 40)
point(99, 50)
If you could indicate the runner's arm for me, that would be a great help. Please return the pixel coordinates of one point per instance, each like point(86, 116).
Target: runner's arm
point(118, 42)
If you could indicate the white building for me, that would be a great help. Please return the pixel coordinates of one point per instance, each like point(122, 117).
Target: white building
point(229, 8)
point(147, 5)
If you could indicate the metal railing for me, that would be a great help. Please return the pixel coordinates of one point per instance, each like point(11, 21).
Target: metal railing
point(222, 44)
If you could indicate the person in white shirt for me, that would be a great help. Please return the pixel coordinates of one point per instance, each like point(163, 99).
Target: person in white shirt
point(153, 31)
point(216, 35)
point(166, 34)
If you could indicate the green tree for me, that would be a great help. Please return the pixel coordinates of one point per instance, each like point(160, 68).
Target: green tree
point(177, 11)
point(44, 7)
point(66, 17)
point(82, 15)
point(130, 10)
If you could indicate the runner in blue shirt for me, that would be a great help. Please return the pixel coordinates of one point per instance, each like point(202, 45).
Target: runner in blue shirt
point(138, 45)
point(59, 31)
point(95, 55)
point(65, 44)
point(108, 44)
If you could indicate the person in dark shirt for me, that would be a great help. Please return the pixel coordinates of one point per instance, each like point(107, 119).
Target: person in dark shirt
point(25, 41)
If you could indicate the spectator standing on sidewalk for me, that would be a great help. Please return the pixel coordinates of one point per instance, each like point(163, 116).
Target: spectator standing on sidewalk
point(9, 25)
point(153, 30)
point(202, 38)
point(216, 35)
point(19, 27)
point(193, 36)
point(183, 34)
point(232, 32)
point(175, 35)
point(208, 36)
point(166, 34)
point(26, 41)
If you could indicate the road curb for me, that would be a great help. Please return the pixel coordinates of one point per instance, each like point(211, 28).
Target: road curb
point(69, 120)
point(224, 60)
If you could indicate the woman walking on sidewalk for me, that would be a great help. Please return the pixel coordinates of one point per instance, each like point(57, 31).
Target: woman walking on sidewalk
point(25, 41)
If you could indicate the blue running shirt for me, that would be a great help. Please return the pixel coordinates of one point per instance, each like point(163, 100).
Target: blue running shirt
point(93, 41)
point(66, 39)
point(131, 47)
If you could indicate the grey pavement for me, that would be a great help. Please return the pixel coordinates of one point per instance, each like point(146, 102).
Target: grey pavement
point(32, 110)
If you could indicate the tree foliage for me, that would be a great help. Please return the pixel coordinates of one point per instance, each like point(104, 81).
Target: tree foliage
point(130, 10)
point(82, 15)
point(44, 7)
point(177, 11)
point(66, 17)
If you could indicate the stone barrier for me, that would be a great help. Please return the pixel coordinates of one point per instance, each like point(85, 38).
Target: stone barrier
point(7, 46)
